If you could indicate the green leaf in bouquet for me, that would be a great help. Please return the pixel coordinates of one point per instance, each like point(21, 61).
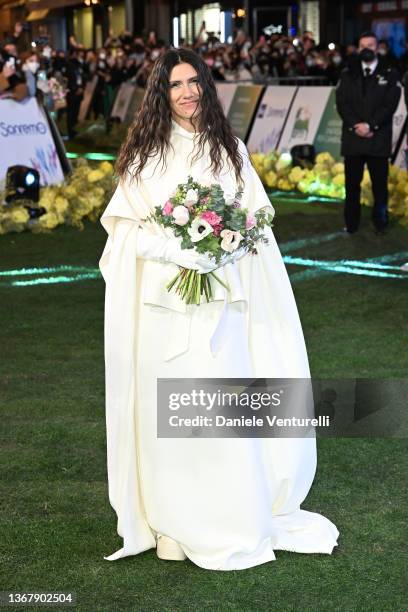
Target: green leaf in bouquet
point(210, 243)
point(237, 220)
point(186, 242)
point(217, 204)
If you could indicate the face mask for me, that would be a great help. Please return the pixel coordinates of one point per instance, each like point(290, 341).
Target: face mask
point(32, 66)
point(366, 55)
point(337, 60)
point(382, 51)
point(47, 52)
point(310, 62)
point(217, 64)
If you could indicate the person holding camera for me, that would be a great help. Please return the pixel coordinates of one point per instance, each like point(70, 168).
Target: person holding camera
point(367, 97)
point(12, 81)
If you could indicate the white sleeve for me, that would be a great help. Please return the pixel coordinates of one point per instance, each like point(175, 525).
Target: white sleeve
point(254, 196)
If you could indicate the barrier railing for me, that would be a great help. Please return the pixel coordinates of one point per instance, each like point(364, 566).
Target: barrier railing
point(300, 81)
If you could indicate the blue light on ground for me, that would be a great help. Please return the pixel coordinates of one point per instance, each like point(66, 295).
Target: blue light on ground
point(48, 280)
point(377, 267)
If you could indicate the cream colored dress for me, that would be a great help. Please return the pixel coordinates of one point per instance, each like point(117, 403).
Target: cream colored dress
point(229, 502)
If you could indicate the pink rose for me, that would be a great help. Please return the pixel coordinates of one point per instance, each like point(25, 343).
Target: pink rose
point(211, 217)
point(250, 222)
point(167, 208)
point(217, 229)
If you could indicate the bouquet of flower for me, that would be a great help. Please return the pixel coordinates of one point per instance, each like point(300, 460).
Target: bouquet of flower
point(54, 91)
point(213, 226)
point(58, 91)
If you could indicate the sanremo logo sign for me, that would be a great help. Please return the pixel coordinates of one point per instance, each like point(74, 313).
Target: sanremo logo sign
point(22, 129)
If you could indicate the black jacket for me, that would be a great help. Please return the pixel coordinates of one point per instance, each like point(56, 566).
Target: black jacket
point(373, 101)
point(76, 77)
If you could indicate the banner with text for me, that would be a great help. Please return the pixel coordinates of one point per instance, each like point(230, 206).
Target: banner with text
point(305, 117)
point(270, 118)
point(26, 139)
point(328, 137)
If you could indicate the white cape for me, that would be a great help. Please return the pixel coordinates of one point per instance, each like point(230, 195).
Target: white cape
point(228, 502)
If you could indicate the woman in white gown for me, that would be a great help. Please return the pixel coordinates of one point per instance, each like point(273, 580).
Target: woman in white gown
point(225, 503)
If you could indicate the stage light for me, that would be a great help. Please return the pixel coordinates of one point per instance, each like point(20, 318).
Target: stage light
point(303, 155)
point(29, 179)
point(241, 12)
point(295, 42)
point(331, 46)
point(22, 183)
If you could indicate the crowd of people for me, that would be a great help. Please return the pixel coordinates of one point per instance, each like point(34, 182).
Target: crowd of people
point(25, 66)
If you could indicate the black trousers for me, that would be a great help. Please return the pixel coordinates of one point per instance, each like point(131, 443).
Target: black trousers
point(354, 169)
point(73, 104)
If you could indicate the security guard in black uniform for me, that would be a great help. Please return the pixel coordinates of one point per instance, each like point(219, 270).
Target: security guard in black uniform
point(367, 97)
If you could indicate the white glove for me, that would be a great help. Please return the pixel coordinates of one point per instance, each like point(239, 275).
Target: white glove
point(168, 250)
point(234, 256)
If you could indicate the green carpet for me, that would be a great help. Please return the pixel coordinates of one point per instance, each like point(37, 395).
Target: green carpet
point(56, 520)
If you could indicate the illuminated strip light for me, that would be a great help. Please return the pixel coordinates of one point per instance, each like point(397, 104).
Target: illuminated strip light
point(317, 267)
point(341, 262)
point(93, 156)
point(317, 272)
point(340, 267)
point(55, 279)
point(28, 271)
point(308, 274)
point(367, 264)
point(391, 257)
point(294, 196)
point(294, 245)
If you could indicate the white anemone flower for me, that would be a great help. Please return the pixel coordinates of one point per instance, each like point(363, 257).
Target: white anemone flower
point(230, 240)
point(200, 228)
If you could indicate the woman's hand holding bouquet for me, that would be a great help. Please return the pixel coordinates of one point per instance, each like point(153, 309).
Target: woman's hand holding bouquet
point(210, 232)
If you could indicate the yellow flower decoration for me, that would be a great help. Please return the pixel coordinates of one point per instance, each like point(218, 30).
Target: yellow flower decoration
point(19, 215)
point(95, 175)
point(271, 178)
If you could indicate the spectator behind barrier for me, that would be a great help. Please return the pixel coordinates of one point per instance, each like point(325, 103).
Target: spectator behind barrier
point(12, 81)
point(128, 57)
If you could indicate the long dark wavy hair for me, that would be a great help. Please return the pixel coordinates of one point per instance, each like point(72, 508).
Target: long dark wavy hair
point(149, 134)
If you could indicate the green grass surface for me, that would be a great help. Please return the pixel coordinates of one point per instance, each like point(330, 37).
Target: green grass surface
point(56, 520)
